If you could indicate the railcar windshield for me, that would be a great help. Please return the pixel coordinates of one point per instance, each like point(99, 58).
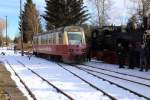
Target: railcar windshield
point(75, 38)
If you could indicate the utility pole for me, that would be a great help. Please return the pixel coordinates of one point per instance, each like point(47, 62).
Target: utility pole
point(103, 12)
point(144, 15)
point(102, 19)
point(6, 32)
point(21, 32)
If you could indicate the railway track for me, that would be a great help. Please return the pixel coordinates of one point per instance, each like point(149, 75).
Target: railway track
point(87, 71)
point(93, 86)
point(99, 77)
point(57, 89)
point(116, 71)
point(116, 76)
point(26, 87)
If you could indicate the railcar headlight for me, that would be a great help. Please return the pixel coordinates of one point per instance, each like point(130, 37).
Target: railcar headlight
point(83, 50)
point(77, 46)
point(70, 50)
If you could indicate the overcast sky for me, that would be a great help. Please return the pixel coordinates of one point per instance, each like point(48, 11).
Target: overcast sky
point(10, 8)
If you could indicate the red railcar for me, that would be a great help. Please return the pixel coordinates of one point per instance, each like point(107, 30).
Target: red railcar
point(67, 43)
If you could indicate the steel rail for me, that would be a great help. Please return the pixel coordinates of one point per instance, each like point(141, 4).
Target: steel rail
point(140, 95)
point(57, 89)
point(117, 72)
point(115, 76)
point(105, 93)
point(26, 87)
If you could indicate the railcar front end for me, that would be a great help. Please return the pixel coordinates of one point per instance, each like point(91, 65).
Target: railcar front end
point(67, 44)
point(75, 39)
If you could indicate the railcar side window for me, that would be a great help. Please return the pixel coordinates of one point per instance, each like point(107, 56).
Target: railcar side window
point(50, 38)
point(54, 38)
point(46, 39)
point(35, 40)
point(39, 40)
point(42, 40)
point(60, 38)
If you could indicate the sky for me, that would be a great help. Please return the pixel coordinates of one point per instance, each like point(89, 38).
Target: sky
point(10, 8)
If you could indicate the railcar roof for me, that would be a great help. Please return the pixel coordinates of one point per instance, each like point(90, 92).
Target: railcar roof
point(55, 30)
point(50, 31)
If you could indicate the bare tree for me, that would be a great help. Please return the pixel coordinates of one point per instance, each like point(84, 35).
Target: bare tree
point(2, 27)
point(102, 8)
point(141, 9)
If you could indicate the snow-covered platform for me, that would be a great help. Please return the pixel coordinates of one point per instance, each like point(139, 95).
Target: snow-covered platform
point(8, 88)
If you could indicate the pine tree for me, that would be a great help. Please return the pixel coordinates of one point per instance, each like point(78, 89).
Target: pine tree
point(65, 12)
point(30, 21)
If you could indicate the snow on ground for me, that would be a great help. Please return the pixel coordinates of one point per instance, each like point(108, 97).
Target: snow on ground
point(64, 80)
point(54, 74)
point(40, 89)
point(114, 67)
point(17, 81)
point(130, 85)
point(115, 91)
point(135, 79)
